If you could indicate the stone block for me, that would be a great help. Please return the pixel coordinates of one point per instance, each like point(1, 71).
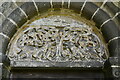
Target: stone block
point(2, 18)
point(0, 57)
point(5, 71)
point(7, 7)
point(3, 44)
point(18, 17)
point(110, 30)
point(0, 71)
point(3, 47)
point(29, 9)
point(8, 28)
point(43, 6)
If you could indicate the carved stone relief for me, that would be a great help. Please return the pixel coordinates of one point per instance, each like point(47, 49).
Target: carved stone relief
point(57, 39)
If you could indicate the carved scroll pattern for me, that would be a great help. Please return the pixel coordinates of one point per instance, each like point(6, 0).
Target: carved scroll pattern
point(59, 44)
point(57, 39)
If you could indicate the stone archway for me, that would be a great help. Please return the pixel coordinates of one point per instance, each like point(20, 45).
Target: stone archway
point(28, 10)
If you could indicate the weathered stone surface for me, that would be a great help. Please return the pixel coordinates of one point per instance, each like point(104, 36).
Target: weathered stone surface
point(3, 44)
point(57, 40)
point(7, 7)
point(8, 28)
point(57, 4)
point(3, 47)
point(5, 71)
point(29, 9)
point(116, 72)
point(67, 64)
point(40, 5)
point(19, 3)
point(76, 6)
point(114, 48)
point(110, 31)
point(0, 71)
point(115, 60)
point(92, 9)
point(0, 57)
point(18, 17)
point(2, 18)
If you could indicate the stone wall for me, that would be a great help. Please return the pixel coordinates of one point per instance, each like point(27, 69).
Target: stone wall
point(14, 15)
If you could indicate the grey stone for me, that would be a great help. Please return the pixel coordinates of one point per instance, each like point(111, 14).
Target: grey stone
point(19, 3)
point(0, 71)
point(1, 3)
point(38, 64)
point(58, 51)
point(114, 60)
point(2, 18)
point(5, 60)
point(5, 71)
point(3, 44)
point(8, 28)
point(18, 17)
point(29, 9)
point(3, 47)
point(0, 57)
point(41, 8)
point(116, 72)
point(7, 7)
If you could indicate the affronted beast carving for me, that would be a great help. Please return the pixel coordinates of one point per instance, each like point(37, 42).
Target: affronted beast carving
point(57, 39)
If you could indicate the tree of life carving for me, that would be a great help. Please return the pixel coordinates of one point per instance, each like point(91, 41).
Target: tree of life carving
point(57, 40)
